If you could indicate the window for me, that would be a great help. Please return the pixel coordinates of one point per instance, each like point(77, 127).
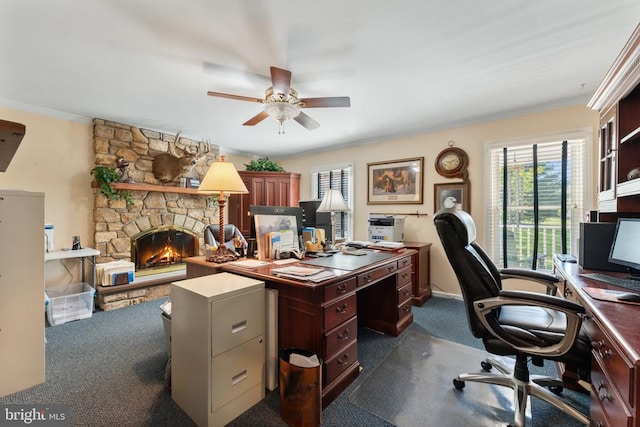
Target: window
point(526, 215)
point(338, 177)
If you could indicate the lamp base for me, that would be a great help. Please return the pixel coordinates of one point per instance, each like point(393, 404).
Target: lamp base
point(222, 255)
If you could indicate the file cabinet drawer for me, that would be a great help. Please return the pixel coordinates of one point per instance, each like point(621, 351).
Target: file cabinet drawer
point(236, 371)
point(339, 312)
point(606, 404)
point(340, 337)
point(236, 320)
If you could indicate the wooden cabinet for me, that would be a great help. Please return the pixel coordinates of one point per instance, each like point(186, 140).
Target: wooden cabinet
point(618, 101)
point(21, 290)
point(217, 346)
point(420, 271)
point(266, 189)
point(615, 340)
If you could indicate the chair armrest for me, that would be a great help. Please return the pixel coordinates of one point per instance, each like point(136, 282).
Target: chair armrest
point(573, 312)
point(546, 279)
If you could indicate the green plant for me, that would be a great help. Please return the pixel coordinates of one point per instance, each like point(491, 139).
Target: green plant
point(105, 176)
point(263, 164)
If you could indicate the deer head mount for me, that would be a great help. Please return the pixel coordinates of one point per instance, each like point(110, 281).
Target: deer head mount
point(168, 167)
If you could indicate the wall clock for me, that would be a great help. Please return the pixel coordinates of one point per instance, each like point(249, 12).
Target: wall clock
point(452, 162)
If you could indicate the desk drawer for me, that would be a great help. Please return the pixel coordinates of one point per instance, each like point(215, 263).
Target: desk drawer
point(404, 294)
point(404, 276)
point(612, 362)
point(374, 275)
point(404, 262)
point(339, 312)
point(340, 362)
point(338, 290)
point(607, 407)
point(404, 309)
point(340, 337)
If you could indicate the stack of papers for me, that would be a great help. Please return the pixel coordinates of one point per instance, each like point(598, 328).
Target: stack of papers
point(387, 246)
point(303, 273)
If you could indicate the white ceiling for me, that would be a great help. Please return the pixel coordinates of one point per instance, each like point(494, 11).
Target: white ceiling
point(409, 66)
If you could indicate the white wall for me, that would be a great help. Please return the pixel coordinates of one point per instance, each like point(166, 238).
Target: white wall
point(472, 140)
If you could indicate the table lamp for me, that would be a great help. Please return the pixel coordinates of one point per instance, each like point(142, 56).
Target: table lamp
point(333, 202)
point(222, 177)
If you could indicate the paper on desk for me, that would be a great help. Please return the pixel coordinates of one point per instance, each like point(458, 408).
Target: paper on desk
point(250, 263)
point(304, 361)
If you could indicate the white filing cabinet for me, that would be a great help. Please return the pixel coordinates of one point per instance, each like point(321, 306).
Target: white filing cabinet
point(217, 346)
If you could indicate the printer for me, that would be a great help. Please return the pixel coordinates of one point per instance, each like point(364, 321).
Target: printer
point(386, 227)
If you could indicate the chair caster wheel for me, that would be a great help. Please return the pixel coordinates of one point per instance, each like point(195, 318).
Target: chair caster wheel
point(486, 366)
point(556, 389)
point(459, 385)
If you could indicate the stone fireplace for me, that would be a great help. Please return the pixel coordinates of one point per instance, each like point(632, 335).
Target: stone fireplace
point(156, 207)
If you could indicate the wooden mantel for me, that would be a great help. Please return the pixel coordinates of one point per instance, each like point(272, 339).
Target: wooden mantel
point(149, 187)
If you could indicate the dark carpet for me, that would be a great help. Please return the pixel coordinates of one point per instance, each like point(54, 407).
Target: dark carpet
point(109, 370)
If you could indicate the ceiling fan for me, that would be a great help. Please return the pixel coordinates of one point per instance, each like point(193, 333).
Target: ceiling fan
point(282, 103)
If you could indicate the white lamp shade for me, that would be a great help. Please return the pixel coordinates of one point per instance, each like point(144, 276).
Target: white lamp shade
point(333, 202)
point(222, 177)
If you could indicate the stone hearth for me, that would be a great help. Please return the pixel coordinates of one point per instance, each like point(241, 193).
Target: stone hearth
point(116, 223)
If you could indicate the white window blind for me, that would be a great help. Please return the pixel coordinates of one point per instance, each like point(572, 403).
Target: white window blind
point(520, 214)
point(337, 177)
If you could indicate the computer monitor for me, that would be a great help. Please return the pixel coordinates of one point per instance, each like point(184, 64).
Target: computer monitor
point(277, 211)
point(625, 249)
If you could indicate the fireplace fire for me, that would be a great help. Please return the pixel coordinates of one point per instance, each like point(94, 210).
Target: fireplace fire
point(162, 249)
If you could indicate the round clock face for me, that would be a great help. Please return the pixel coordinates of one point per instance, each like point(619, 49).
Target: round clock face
point(452, 163)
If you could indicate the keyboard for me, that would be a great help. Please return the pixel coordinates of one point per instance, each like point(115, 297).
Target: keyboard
point(631, 284)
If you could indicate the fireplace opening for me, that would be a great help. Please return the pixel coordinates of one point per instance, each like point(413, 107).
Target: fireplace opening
point(163, 249)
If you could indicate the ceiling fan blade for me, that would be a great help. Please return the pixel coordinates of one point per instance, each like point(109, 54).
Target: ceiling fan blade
point(306, 121)
point(236, 97)
point(336, 101)
point(256, 119)
point(281, 80)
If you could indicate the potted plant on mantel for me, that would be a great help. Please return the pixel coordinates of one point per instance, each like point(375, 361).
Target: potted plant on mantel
point(263, 164)
point(105, 176)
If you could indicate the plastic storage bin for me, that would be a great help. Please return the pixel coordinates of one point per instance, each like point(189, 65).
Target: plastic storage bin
point(69, 302)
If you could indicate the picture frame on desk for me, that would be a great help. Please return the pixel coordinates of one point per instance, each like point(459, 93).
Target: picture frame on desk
point(451, 195)
point(395, 182)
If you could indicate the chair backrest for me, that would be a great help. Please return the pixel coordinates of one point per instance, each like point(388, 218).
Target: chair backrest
point(477, 275)
point(212, 235)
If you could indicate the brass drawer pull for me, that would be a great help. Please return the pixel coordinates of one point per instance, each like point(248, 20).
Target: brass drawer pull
point(342, 289)
point(342, 310)
point(343, 336)
point(343, 361)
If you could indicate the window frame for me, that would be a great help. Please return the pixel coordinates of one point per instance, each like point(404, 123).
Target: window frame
point(585, 134)
point(348, 199)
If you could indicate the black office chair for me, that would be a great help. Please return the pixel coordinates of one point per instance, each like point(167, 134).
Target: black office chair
point(231, 232)
point(514, 323)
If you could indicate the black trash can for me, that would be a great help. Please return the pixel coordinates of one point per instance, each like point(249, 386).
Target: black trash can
point(300, 390)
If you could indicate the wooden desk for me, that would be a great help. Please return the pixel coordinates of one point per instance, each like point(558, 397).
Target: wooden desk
point(324, 317)
point(615, 358)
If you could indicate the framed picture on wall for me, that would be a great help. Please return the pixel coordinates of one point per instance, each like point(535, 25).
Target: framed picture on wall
point(451, 195)
point(395, 181)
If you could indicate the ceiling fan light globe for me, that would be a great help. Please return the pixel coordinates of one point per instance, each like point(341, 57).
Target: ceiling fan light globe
point(282, 111)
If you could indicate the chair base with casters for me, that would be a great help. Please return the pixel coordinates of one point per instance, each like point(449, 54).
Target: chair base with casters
point(523, 385)
point(529, 326)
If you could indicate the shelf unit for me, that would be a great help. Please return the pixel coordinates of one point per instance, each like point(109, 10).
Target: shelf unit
point(618, 101)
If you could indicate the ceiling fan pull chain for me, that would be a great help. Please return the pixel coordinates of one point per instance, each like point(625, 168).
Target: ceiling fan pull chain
point(281, 128)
